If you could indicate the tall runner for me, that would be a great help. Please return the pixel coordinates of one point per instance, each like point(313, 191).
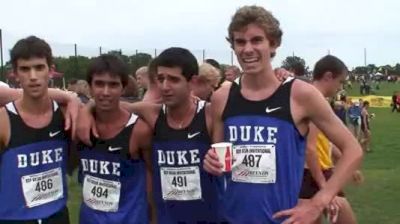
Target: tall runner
point(267, 120)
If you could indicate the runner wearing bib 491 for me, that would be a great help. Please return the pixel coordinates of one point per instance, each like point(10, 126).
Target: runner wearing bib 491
point(182, 190)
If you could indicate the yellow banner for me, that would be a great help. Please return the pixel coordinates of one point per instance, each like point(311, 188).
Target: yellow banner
point(374, 101)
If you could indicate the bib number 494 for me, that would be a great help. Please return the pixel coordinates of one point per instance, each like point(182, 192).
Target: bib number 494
point(99, 192)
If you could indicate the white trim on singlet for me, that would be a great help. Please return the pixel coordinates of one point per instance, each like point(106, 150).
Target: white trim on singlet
point(132, 119)
point(289, 79)
point(55, 106)
point(11, 107)
point(201, 105)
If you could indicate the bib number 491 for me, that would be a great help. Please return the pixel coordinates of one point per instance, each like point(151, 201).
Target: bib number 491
point(179, 181)
point(250, 160)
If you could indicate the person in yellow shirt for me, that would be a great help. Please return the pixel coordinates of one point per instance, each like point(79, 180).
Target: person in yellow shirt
point(328, 76)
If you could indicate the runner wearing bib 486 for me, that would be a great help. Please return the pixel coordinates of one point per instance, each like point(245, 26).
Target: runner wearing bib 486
point(34, 144)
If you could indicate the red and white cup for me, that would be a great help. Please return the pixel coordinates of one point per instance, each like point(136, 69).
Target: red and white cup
point(224, 152)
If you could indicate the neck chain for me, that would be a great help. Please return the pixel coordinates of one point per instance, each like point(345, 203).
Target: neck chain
point(184, 117)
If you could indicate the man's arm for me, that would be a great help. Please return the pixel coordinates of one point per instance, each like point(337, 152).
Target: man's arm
point(314, 107)
point(142, 137)
point(218, 101)
point(5, 129)
point(321, 114)
point(9, 94)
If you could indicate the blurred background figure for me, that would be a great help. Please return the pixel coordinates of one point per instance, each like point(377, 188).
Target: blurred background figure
point(72, 85)
point(153, 93)
point(142, 79)
point(131, 91)
point(82, 90)
point(206, 82)
point(231, 73)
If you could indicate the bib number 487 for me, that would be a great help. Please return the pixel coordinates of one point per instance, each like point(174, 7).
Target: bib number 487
point(251, 160)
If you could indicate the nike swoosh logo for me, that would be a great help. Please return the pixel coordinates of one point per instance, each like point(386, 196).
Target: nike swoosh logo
point(192, 135)
point(111, 149)
point(52, 134)
point(269, 110)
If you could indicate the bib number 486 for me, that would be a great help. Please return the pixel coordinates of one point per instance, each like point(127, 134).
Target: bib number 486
point(44, 185)
point(251, 160)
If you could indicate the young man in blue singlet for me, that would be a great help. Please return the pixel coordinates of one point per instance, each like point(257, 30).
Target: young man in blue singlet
point(114, 169)
point(34, 143)
point(267, 120)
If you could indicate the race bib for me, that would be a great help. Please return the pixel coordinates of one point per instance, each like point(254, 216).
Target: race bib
point(254, 164)
point(42, 188)
point(101, 194)
point(180, 183)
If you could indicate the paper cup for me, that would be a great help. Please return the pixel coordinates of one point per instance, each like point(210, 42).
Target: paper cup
point(224, 152)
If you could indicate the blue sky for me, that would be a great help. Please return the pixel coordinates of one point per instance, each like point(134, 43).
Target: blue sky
point(312, 28)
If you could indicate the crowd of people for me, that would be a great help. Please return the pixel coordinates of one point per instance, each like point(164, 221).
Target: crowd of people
point(148, 158)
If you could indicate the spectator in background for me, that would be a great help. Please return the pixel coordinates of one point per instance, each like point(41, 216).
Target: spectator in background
point(72, 85)
point(339, 106)
point(142, 78)
point(206, 82)
point(214, 63)
point(365, 128)
point(131, 91)
point(153, 94)
point(395, 104)
point(231, 73)
point(354, 113)
point(299, 71)
point(82, 90)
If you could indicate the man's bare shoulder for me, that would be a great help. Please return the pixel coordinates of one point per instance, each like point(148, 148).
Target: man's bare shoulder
point(302, 91)
point(222, 92)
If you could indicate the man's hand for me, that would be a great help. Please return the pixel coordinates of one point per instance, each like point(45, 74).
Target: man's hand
point(211, 163)
point(71, 115)
point(282, 74)
point(333, 210)
point(86, 125)
point(358, 177)
point(304, 213)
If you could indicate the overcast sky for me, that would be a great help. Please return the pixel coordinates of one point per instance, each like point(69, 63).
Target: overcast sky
point(312, 28)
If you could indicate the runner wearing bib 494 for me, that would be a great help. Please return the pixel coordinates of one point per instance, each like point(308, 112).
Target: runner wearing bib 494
point(114, 169)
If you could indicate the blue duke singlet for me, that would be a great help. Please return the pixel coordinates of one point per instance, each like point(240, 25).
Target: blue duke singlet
point(33, 167)
point(183, 191)
point(268, 156)
point(113, 184)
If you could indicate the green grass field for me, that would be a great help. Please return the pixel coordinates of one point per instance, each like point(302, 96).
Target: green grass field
point(375, 201)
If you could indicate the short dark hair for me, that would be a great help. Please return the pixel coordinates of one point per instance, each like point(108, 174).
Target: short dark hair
point(178, 57)
point(31, 47)
point(213, 62)
point(73, 81)
point(108, 63)
point(365, 103)
point(329, 63)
